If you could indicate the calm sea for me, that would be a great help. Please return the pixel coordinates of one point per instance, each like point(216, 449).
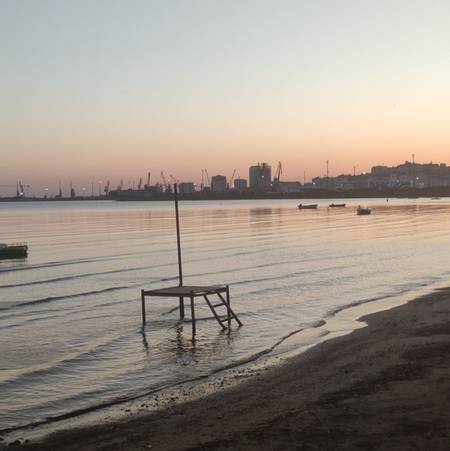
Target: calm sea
point(70, 320)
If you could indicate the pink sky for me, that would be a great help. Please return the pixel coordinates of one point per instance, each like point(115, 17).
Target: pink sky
point(92, 91)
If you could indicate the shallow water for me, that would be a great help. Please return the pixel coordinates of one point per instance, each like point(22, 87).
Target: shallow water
point(70, 324)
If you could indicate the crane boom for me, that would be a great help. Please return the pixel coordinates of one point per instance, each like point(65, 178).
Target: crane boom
point(278, 173)
point(19, 188)
point(163, 178)
point(207, 177)
point(230, 183)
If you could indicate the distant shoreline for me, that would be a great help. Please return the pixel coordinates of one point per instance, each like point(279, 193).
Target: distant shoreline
point(147, 196)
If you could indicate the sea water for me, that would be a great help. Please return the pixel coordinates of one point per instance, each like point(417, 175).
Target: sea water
point(71, 336)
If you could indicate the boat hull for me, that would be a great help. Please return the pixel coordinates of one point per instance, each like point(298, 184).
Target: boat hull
point(10, 252)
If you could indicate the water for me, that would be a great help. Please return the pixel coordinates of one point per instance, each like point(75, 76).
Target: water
point(70, 320)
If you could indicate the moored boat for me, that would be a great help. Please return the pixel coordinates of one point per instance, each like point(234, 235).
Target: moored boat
point(16, 250)
point(363, 211)
point(307, 207)
point(333, 205)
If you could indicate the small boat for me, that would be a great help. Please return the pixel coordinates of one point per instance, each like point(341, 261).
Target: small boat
point(16, 250)
point(307, 207)
point(435, 198)
point(336, 205)
point(363, 211)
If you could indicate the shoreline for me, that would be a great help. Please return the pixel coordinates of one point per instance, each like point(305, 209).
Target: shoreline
point(253, 400)
point(337, 322)
point(142, 196)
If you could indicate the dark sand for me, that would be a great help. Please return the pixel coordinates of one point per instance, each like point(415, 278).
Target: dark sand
point(383, 387)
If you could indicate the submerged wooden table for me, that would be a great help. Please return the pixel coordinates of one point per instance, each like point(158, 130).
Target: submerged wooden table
point(191, 292)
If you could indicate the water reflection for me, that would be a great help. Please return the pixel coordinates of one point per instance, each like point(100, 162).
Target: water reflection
point(71, 330)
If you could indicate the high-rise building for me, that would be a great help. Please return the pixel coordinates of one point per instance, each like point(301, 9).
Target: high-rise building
point(260, 177)
point(218, 183)
point(240, 184)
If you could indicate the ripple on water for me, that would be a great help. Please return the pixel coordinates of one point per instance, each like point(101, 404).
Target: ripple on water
point(70, 314)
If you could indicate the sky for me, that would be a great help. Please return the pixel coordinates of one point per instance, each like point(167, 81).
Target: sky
point(107, 89)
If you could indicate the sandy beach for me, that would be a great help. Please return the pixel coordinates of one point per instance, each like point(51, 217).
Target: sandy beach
point(383, 387)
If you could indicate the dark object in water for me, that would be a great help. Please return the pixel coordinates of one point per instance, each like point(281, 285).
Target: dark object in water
point(307, 207)
point(16, 250)
point(337, 205)
point(363, 211)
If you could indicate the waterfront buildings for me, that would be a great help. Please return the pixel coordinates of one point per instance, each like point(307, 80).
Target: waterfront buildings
point(240, 185)
point(287, 187)
point(186, 188)
point(406, 175)
point(260, 177)
point(218, 184)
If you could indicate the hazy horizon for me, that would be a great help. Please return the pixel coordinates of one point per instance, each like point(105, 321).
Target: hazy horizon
point(112, 89)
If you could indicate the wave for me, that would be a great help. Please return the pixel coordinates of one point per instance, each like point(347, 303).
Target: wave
point(52, 264)
point(69, 296)
point(146, 392)
point(246, 360)
point(75, 276)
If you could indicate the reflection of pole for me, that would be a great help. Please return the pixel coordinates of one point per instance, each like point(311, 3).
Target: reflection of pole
point(180, 269)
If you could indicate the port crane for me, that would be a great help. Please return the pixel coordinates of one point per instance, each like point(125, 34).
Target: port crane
point(165, 184)
point(106, 188)
point(278, 173)
point(230, 183)
point(20, 188)
point(207, 177)
point(140, 184)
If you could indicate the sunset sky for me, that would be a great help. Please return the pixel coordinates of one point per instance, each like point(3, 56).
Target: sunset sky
point(97, 90)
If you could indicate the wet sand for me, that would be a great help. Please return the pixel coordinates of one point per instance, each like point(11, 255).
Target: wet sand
point(383, 387)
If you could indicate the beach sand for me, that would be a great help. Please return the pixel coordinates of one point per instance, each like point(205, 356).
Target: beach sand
point(382, 387)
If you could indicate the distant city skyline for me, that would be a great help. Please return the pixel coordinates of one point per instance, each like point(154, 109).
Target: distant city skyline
point(98, 90)
point(97, 187)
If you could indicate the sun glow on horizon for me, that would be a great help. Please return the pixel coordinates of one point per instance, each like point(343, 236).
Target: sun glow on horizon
point(178, 88)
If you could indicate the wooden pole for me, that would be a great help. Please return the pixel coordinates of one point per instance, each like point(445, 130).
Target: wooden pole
point(192, 314)
point(228, 307)
point(180, 268)
point(143, 307)
point(177, 217)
